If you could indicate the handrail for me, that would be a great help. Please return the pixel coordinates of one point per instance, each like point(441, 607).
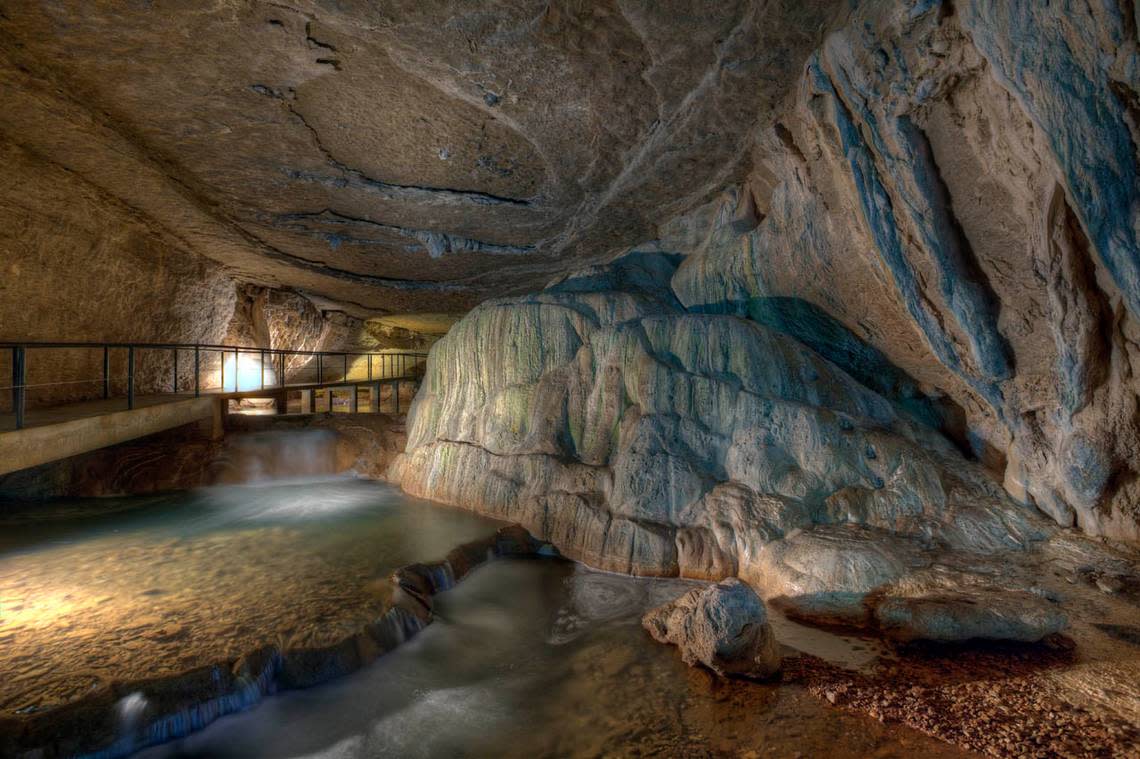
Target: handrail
point(203, 346)
point(271, 358)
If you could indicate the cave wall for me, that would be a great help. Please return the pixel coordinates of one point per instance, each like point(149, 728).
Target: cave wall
point(958, 189)
point(887, 367)
point(78, 265)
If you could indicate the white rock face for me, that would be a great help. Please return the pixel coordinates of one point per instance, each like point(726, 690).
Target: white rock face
point(955, 193)
point(641, 438)
point(724, 627)
point(873, 377)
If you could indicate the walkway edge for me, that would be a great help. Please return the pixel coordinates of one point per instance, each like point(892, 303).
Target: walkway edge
point(33, 446)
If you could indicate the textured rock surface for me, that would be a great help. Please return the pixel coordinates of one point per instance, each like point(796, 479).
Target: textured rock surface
point(724, 627)
point(940, 198)
point(407, 156)
point(906, 330)
point(77, 265)
point(642, 438)
point(954, 194)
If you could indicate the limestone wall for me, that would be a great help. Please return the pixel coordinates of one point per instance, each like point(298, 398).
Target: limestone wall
point(879, 372)
point(958, 192)
point(76, 265)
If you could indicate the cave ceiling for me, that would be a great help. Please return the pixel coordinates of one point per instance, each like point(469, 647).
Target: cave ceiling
point(401, 157)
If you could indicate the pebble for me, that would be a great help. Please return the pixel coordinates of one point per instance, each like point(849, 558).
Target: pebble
point(1109, 584)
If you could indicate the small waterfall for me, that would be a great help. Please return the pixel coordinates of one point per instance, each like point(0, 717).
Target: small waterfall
point(277, 454)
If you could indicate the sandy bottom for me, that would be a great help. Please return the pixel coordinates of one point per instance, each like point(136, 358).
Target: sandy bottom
point(94, 592)
point(1075, 695)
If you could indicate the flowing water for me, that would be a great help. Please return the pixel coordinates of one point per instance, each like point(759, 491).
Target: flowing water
point(547, 658)
point(525, 658)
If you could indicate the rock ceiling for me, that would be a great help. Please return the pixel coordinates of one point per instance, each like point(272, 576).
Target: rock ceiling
point(401, 156)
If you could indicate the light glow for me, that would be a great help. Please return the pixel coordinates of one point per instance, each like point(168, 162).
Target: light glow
point(247, 372)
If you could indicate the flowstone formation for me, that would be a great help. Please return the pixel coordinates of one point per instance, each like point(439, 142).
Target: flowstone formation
point(642, 438)
point(954, 191)
point(879, 376)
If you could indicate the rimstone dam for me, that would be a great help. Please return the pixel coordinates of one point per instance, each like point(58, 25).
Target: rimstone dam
point(570, 378)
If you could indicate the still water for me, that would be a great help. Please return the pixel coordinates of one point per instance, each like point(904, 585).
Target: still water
point(103, 590)
point(526, 658)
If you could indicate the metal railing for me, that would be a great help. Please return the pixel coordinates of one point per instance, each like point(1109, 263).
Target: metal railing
point(390, 366)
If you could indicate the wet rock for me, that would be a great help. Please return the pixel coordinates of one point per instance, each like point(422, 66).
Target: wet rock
point(949, 616)
point(723, 627)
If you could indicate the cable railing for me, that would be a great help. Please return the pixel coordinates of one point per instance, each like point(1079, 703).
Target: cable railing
point(262, 369)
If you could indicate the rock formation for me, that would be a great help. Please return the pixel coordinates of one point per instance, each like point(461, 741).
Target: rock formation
point(403, 157)
point(863, 377)
point(881, 351)
point(643, 438)
point(723, 627)
point(955, 191)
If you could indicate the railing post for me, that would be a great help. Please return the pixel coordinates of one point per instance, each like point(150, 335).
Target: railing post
point(369, 367)
point(130, 377)
point(312, 400)
point(176, 371)
point(106, 372)
point(354, 407)
point(222, 387)
point(19, 384)
point(320, 374)
point(396, 392)
point(197, 365)
point(283, 383)
point(237, 374)
point(346, 367)
point(376, 396)
point(262, 369)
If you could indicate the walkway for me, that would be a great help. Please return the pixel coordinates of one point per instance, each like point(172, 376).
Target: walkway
point(44, 421)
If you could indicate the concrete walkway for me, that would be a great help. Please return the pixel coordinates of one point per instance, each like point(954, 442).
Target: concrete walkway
point(39, 417)
point(58, 432)
point(71, 430)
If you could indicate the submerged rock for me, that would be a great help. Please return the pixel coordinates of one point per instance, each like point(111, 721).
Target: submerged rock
point(723, 627)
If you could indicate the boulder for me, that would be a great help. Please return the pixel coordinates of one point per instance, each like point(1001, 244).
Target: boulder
point(723, 627)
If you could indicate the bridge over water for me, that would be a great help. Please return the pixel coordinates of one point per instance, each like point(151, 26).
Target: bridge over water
point(68, 398)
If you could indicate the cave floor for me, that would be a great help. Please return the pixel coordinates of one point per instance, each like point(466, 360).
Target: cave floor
point(98, 593)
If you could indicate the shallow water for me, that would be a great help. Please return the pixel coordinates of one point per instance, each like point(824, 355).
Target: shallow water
point(104, 590)
point(546, 658)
